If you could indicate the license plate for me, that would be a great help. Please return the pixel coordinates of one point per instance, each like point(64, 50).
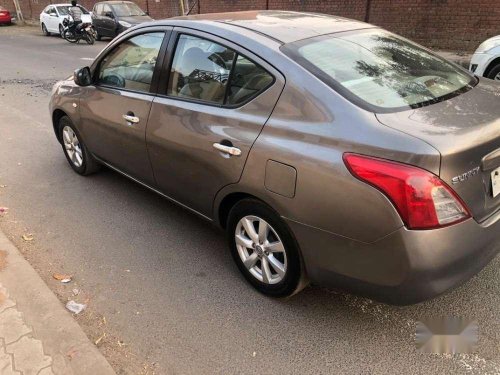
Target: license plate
point(495, 182)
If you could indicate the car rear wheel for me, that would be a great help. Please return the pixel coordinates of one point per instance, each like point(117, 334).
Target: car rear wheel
point(494, 73)
point(44, 30)
point(79, 158)
point(264, 249)
point(61, 31)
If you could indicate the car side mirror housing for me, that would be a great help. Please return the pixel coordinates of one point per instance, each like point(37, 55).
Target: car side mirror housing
point(83, 76)
point(109, 15)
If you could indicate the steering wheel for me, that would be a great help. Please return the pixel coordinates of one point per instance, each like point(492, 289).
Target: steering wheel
point(219, 60)
point(114, 80)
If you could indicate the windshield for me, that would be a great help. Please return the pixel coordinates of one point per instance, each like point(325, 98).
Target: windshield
point(127, 10)
point(64, 10)
point(379, 70)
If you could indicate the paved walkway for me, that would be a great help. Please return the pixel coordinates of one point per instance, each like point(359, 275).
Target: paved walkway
point(37, 335)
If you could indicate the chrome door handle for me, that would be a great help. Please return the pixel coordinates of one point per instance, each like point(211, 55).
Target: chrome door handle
point(131, 119)
point(227, 149)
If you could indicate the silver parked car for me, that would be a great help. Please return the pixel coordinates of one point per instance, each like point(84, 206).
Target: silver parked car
point(330, 150)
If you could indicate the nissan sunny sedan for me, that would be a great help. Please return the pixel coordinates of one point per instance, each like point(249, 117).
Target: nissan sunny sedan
point(331, 151)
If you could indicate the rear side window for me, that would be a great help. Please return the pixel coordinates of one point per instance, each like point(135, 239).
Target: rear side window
point(200, 70)
point(131, 64)
point(248, 79)
point(207, 71)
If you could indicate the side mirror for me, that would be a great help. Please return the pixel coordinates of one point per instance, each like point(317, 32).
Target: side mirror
point(109, 15)
point(83, 77)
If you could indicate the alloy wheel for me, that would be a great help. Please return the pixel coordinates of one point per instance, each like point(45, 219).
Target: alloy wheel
point(72, 147)
point(261, 250)
point(497, 77)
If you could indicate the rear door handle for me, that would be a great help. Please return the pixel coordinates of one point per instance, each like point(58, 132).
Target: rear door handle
point(131, 119)
point(227, 149)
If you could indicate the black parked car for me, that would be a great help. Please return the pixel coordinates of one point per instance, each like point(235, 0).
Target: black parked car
point(110, 18)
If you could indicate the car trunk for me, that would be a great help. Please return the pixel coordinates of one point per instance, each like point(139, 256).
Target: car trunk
point(466, 132)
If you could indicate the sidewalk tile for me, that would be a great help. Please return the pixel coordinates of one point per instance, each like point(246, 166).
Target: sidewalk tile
point(29, 357)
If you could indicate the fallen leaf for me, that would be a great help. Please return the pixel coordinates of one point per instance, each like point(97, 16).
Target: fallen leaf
point(75, 292)
point(121, 344)
point(72, 353)
point(99, 339)
point(28, 237)
point(62, 277)
point(3, 186)
point(3, 210)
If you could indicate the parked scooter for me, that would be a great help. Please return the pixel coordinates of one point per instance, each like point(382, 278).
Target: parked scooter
point(74, 34)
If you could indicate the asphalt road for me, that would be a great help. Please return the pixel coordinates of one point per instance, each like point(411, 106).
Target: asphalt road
point(160, 283)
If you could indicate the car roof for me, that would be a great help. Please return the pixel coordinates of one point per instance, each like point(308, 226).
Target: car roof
point(282, 26)
point(65, 5)
point(113, 2)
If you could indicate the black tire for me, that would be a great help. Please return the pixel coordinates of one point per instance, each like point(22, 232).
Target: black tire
point(44, 30)
point(97, 35)
point(89, 165)
point(61, 31)
point(294, 279)
point(89, 38)
point(494, 72)
point(70, 37)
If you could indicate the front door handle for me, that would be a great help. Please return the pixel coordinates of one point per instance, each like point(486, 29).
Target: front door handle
point(234, 151)
point(130, 118)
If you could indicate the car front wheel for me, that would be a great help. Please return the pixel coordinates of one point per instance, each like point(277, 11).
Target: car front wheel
point(264, 249)
point(79, 158)
point(494, 73)
point(44, 30)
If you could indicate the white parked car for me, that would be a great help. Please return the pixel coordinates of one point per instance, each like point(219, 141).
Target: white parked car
point(53, 15)
point(486, 60)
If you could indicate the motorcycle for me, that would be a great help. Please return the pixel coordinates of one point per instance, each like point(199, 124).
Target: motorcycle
point(82, 31)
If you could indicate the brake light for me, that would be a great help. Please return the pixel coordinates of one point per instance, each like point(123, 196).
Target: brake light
point(422, 199)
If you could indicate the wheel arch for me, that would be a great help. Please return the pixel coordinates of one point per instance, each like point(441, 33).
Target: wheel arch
point(228, 202)
point(491, 65)
point(56, 117)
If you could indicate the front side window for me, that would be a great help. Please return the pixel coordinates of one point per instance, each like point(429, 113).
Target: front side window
point(130, 65)
point(207, 71)
point(379, 70)
point(106, 9)
point(200, 69)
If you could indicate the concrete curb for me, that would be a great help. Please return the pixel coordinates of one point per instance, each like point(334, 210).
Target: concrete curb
point(39, 325)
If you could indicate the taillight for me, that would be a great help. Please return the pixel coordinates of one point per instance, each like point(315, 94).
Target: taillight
point(422, 199)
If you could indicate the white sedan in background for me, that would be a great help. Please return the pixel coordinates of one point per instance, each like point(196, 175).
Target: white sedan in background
point(486, 60)
point(53, 15)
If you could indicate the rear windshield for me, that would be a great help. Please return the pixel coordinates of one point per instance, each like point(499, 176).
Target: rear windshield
point(380, 71)
point(64, 10)
point(128, 10)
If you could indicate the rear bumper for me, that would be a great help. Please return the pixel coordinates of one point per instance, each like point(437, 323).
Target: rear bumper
point(404, 267)
point(5, 20)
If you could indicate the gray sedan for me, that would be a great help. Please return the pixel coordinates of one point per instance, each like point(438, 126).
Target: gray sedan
point(331, 151)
